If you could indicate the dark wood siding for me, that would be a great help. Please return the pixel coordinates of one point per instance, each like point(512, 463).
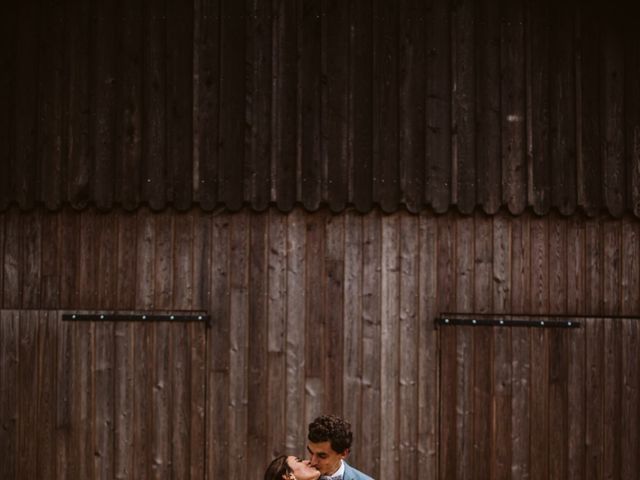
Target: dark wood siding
point(421, 105)
point(310, 314)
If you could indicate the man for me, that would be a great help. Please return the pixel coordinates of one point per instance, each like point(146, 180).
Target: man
point(329, 443)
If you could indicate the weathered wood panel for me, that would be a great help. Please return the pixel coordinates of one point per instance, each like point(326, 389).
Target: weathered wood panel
point(34, 383)
point(435, 105)
point(317, 313)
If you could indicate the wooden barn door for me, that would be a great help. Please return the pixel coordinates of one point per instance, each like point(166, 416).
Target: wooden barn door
point(540, 403)
point(84, 400)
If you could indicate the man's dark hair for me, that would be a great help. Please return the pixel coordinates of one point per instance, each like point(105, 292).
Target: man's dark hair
point(333, 429)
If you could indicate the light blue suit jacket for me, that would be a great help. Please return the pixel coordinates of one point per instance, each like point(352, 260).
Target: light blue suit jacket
point(351, 473)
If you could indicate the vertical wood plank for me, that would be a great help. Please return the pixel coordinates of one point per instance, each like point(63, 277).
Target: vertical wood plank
point(238, 339)
point(181, 373)
point(502, 388)
point(411, 101)
point(521, 248)
point(3, 218)
point(309, 103)
point(612, 407)
point(589, 133)
point(389, 361)
point(386, 187)
point(9, 374)
point(196, 267)
point(438, 105)
point(295, 340)
point(27, 386)
point(129, 107)
point(162, 357)
point(630, 391)
point(538, 52)
point(448, 434)
point(632, 118)
point(315, 316)
point(104, 81)
point(559, 359)
point(463, 93)
point(47, 382)
point(83, 360)
point(198, 353)
point(629, 398)
point(334, 301)
point(446, 243)
point(154, 115)
point(206, 82)
point(594, 430)
point(12, 261)
point(594, 341)
point(231, 115)
point(24, 165)
point(9, 38)
point(123, 349)
point(408, 343)
point(79, 171)
point(612, 261)
point(197, 356)
point(218, 426)
point(276, 331)
point(593, 267)
point(594, 355)
point(371, 432)
point(335, 113)
point(352, 385)
point(428, 365)
point(557, 260)
point(259, 102)
point(52, 100)
point(179, 101)
point(513, 105)
point(612, 120)
point(361, 103)
point(69, 262)
point(285, 122)
point(487, 57)
point(51, 248)
point(143, 407)
point(32, 258)
point(464, 274)
point(483, 345)
point(539, 350)
point(577, 371)
point(562, 111)
point(65, 373)
point(611, 274)
point(103, 373)
point(257, 339)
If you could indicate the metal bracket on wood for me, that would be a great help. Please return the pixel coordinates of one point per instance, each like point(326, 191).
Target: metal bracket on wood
point(541, 322)
point(121, 316)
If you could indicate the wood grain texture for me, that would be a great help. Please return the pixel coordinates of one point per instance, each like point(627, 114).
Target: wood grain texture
point(310, 314)
point(426, 106)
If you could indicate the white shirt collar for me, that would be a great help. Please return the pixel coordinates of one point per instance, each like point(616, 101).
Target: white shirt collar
point(340, 470)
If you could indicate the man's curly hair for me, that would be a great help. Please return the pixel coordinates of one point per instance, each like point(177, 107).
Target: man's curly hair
point(333, 429)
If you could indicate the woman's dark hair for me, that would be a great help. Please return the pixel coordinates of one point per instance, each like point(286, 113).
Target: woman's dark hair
point(277, 468)
point(333, 429)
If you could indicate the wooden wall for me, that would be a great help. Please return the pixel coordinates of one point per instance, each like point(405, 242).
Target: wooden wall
point(316, 313)
point(438, 104)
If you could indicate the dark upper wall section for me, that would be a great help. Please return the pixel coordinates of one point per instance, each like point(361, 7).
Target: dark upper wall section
point(422, 104)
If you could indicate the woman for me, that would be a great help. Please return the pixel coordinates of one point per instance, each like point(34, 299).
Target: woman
point(290, 468)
